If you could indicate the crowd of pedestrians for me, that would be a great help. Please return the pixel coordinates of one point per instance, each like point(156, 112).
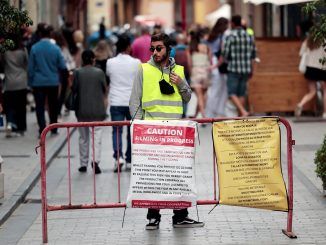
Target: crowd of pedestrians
point(50, 63)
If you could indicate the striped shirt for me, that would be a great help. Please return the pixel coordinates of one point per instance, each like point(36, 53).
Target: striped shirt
point(239, 50)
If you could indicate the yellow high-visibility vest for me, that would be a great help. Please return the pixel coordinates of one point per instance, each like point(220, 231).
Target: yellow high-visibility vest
point(250, 31)
point(158, 106)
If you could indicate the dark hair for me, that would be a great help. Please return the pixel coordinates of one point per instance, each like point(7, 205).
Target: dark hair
point(164, 38)
point(312, 42)
point(123, 43)
point(59, 39)
point(195, 37)
point(219, 28)
point(88, 57)
point(45, 30)
point(236, 20)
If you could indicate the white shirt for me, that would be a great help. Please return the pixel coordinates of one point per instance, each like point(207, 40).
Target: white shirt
point(312, 56)
point(121, 70)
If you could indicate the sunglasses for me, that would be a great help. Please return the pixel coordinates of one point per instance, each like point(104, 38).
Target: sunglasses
point(158, 49)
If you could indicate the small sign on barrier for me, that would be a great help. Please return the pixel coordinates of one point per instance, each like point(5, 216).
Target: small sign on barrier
point(163, 156)
point(249, 166)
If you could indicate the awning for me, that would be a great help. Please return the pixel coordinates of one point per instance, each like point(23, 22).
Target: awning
point(276, 2)
point(223, 11)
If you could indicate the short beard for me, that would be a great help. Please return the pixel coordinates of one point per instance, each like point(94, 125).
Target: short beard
point(164, 59)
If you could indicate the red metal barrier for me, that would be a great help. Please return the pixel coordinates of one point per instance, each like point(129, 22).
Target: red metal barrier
point(46, 208)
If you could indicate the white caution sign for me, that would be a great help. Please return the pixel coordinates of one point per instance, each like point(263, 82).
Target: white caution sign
point(163, 157)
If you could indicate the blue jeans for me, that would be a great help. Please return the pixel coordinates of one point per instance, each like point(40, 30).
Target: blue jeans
point(120, 113)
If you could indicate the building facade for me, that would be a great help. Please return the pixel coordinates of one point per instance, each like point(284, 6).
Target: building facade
point(269, 20)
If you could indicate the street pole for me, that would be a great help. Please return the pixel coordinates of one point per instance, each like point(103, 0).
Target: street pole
point(183, 14)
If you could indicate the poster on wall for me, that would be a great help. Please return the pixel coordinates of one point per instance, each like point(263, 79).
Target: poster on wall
point(249, 165)
point(163, 158)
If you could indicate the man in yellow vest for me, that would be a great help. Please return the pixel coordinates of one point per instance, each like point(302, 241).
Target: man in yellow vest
point(158, 92)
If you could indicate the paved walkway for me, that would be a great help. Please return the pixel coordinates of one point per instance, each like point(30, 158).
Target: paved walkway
point(21, 165)
point(231, 225)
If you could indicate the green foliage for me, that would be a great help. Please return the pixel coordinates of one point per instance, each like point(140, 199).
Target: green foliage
point(320, 161)
point(11, 22)
point(319, 28)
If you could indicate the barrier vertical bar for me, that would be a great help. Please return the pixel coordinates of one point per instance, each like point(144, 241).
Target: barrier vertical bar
point(43, 189)
point(93, 156)
point(69, 164)
point(288, 232)
point(118, 159)
point(214, 169)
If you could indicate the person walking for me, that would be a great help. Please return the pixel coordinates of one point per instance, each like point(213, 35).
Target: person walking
point(217, 92)
point(121, 71)
point(15, 88)
point(102, 29)
point(90, 88)
point(140, 46)
point(201, 58)
point(239, 52)
point(44, 65)
point(64, 76)
point(158, 82)
point(313, 50)
point(102, 53)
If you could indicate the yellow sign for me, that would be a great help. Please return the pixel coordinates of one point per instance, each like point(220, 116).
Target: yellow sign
point(248, 162)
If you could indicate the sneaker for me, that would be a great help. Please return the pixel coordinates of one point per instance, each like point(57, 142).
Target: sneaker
point(118, 163)
point(128, 166)
point(82, 169)
point(17, 134)
point(153, 224)
point(8, 131)
point(298, 111)
point(188, 223)
point(97, 168)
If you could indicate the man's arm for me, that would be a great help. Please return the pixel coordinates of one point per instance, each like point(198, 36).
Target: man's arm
point(254, 49)
point(135, 105)
point(60, 60)
point(31, 69)
point(226, 49)
point(253, 56)
point(185, 90)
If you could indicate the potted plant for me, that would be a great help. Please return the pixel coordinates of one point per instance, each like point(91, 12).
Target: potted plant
point(320, 161)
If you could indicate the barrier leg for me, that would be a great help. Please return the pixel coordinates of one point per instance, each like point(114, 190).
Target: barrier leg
point(43, 190)
point(93, 162)
point(288, 232)
point(118, 159)
point(69, 165)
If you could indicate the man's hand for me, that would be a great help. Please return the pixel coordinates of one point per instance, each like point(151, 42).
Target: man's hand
point(174, 78)
point(1, 109)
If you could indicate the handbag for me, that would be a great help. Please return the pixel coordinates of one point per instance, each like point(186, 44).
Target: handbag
point(223, 68)
point(71, 101)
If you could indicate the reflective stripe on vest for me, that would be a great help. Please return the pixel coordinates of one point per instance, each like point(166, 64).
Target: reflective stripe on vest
point(155, 104)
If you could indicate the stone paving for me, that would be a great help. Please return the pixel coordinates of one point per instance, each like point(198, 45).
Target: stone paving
point(225, 224)
point(21, 165)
